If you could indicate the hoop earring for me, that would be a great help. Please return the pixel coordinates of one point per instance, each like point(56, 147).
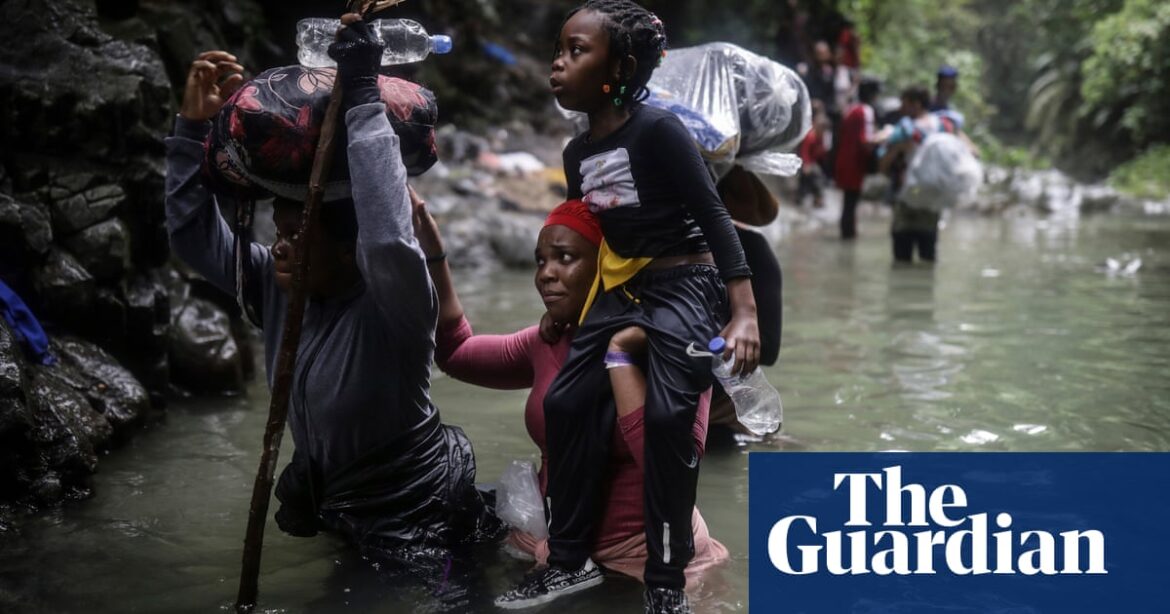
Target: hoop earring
point(617, 100)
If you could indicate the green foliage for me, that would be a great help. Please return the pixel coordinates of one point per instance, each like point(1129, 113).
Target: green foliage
point(1127, 77)
point(994, 151)
point(1146, 176)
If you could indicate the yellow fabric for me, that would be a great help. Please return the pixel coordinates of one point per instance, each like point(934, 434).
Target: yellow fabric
point(612, 271)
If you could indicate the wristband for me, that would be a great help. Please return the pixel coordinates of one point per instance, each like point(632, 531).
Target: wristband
point(437, 258)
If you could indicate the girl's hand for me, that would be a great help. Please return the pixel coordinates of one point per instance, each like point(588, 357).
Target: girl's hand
point(213, 77)
point(551, 331)
point(426, 230)
point(743, 339)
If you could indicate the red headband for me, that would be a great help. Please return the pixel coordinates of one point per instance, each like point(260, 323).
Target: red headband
point(576, 215)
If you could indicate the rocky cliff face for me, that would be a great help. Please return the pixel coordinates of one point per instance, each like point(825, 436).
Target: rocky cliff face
point(86, 98)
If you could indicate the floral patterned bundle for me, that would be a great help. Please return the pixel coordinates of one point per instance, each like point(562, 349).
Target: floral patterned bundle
point(264, 138)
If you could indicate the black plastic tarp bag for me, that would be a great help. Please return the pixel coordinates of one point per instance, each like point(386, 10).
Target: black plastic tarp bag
point(417, 490)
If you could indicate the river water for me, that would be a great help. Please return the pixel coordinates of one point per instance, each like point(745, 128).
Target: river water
point(1020, 339)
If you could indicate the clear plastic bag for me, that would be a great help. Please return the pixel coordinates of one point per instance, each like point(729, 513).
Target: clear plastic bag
point(942, 172)
point(518, 500)
point(739, 107)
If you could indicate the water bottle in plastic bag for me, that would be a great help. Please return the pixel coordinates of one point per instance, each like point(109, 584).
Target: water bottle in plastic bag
point(406, 41)
point(518, 500)
point(757, 403)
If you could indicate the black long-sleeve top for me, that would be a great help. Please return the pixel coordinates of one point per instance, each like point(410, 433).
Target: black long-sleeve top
point(652, 193)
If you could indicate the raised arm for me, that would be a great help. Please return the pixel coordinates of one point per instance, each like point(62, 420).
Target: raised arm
point(388, 255)
point(198, 234)
point(493, 361)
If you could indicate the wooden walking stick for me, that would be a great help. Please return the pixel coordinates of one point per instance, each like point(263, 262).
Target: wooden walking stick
point(290, 339)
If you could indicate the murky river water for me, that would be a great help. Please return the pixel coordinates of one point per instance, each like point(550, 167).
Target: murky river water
point(1020, 339)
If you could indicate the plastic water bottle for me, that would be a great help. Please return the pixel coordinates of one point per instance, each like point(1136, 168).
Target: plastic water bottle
point(757, 403)
point(406, 41)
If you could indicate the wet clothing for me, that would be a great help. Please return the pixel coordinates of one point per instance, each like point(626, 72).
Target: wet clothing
point(848, 223)
point(372, 460)
point(767, 289)
point(647, 184)
point(676, 307)
point(522, 360)
point(914, 229)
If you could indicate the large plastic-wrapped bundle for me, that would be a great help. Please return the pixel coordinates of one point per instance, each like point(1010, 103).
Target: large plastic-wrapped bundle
point(755, 111)
point(741, 108)
point(264, 138)
point(942, 172)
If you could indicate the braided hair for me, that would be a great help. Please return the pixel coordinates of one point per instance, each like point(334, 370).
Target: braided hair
point(633, 31)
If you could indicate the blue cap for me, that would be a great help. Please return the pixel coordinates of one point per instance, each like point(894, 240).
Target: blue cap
point(441, 43)
point(716, 345)
point(947, 71)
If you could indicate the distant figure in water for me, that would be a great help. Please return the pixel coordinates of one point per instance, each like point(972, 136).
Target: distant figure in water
point(372, 462)
point(912, 228)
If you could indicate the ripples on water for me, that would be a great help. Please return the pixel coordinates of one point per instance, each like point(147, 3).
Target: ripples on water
point(1020, 339)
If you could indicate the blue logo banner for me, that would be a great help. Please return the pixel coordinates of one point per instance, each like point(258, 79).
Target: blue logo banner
point(959, 533)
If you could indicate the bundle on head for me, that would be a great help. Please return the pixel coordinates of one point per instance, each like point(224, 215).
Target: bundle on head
point(264, 138)
point(633, 31)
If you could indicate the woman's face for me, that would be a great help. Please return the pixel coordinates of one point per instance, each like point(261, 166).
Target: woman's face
point(581, 65)
point(566, 264)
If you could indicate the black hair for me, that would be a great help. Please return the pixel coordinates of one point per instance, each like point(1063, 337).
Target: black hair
point(633, 31)
point(338, 218)
point(917, 93)
point(869, 89)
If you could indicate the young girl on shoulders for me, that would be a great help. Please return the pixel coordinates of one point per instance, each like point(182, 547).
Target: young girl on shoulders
point(670, 264)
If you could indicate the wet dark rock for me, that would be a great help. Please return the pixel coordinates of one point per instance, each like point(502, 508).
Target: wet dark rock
point(109, 388)
point(65, 288)
point(103, 249)
point(71, 89)
point(204, 354)
point(13, 415)
point(25, 231)
point(81, 210)
point(67, 431)
point(148, 317)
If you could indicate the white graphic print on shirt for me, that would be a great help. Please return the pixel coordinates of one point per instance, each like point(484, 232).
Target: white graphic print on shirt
point(607, 182)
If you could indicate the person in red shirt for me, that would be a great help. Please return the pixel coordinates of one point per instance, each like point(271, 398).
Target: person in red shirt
point(812, 157)
point(854, 150)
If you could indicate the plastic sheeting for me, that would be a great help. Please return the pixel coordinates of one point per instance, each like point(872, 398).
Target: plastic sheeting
point(741, 108)
point(518, 500)
point(942, 172)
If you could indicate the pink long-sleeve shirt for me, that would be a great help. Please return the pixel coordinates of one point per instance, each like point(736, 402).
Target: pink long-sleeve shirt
point(521, 360)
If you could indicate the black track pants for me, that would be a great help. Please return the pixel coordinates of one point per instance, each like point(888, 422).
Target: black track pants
point(676, 307)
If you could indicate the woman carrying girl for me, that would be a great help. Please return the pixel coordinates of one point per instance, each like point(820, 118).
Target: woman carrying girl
point(669, 248)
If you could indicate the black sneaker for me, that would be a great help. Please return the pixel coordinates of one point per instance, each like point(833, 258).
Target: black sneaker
point(547, 583)
point(666, 601)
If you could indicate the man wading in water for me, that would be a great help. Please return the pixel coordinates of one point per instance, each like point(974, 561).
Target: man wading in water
point(372, 461)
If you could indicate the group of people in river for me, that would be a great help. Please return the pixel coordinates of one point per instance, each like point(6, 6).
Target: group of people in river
point(641, 260)
point(845, 144)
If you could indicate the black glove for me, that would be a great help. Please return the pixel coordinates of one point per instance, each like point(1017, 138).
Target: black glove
point(358, 54)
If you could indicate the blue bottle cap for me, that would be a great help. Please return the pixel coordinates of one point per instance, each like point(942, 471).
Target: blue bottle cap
point(441, 43)
point(716, 345)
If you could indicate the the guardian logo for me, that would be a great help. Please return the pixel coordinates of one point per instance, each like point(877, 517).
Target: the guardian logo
point(923, 533)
